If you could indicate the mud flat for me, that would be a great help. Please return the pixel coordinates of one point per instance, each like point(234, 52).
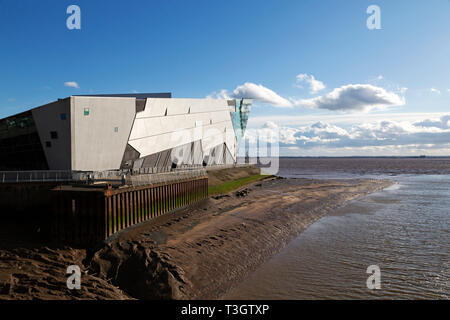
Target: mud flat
point(195, 253)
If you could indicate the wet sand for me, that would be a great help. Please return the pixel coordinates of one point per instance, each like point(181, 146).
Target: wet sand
point(194, 253)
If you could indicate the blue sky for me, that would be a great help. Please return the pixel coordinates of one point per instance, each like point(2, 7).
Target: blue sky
point(399, 75)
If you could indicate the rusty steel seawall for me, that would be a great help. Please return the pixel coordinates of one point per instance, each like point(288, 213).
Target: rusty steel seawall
point(86, 216)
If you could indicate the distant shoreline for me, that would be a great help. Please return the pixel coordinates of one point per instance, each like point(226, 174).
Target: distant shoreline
point(356, 157)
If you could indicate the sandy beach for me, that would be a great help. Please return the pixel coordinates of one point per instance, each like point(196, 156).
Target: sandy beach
point(194, 253)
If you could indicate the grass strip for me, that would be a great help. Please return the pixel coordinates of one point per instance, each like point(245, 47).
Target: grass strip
point(233, 184)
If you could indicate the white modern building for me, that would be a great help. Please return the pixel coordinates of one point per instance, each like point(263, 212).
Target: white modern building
point(123, 131)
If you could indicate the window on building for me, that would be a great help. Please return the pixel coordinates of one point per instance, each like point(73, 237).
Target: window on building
point(116, 129)
point(63, 116)
point(54, 135)
point(86, 111)
point(48, 144)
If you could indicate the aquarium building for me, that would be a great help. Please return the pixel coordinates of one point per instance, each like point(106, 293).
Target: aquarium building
point(123, 131)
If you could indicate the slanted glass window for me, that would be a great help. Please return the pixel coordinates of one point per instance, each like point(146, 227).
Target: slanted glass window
point(63, 116)
point(86, 111)
point(54, 135)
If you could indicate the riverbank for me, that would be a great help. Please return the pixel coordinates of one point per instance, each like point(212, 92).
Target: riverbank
point(194, 253)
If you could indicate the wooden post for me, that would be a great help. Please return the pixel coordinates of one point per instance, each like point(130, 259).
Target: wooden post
point(169, 197)
point(123, 212)
point(161, 199)
point(196, 189)
point(151, 201)
point(185, 193)
point(109, 205)
point(133, 207)
point(182, 192)
point(178, 195)
point(135, 211)
point(159, 202)
point(156, 201)
point(141, 205)
point(128, 200)
point(144, 203)
point(138, 207)
point(114, 209)
point(147, 203)
point(172, 196)
point(165, 197)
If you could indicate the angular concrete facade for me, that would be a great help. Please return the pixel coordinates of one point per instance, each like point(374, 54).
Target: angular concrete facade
point(112, 132)
point(100, 127)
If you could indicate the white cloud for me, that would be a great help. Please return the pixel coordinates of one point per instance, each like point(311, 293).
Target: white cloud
point(314, 84)
point(354, 97)
point(430, 134)
point(72, 84)
point(253, 91)
point(442, 123)
point(434, 90)
point(341, 119)
point(351, 97)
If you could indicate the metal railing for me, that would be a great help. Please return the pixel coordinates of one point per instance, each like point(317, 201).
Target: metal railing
point(34, 176)
point(135, 177)
point(113, 176)
point(156, 178)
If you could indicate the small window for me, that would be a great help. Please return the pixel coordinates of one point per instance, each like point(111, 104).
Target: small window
point(48, 144)
point(54, 135)
point(116, 129)
point(63, 116)
point(86, 111)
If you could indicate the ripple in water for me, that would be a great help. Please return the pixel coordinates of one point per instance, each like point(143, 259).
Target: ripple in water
point(403, 229)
